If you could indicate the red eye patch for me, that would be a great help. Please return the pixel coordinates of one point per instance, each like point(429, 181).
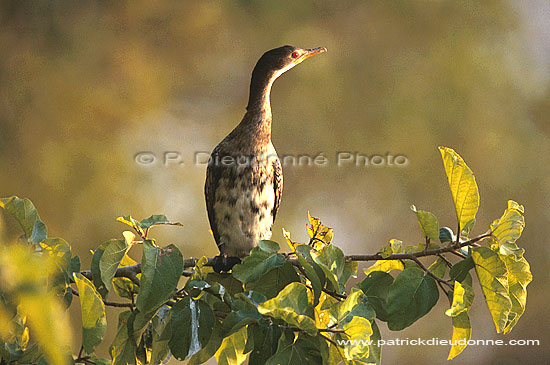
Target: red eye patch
point(295, 54)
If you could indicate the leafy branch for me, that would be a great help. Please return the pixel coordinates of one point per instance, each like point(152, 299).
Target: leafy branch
point(272, 304)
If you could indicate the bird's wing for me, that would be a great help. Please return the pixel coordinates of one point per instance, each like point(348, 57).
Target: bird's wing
point(213, 174)
point(277, 185)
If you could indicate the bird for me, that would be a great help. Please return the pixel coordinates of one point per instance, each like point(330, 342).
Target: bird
point(244, 178)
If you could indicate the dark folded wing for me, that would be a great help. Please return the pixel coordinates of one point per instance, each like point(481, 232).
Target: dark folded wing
point(213, 175)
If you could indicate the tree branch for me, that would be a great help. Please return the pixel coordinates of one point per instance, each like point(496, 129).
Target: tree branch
point(131, 272)
point(109, 304)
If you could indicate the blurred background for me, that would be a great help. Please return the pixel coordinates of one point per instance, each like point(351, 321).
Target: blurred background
point(85, 87)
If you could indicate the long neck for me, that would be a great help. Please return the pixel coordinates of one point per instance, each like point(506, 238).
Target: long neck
point(260, 89)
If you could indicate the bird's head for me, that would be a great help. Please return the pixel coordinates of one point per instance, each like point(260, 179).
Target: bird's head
point(279, 60)
point(271, 65)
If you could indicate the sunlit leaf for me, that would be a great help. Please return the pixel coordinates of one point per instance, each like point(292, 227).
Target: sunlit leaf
point(231, 351)
point(135, 224)
point(355, 305)
point(463, 296)
point(385, 265)
point(507, 229)
point(293, 306)
point(519, 276)
point(492, 274)
point(320, 235)
point(23, 276)
point(394, 246)
point(462, 184)
point(27, 216)
point(357, 329)
point(462, 330)
point(428, 223)
point(94, 323)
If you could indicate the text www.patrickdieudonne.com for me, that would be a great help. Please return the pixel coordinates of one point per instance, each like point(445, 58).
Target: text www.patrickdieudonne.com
point(437, 342)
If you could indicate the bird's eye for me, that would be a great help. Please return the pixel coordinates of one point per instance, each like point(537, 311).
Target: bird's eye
point(295, 54)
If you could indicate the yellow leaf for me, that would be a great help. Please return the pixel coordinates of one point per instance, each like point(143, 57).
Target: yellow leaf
point(231, 351)
point(385, 265)
point(519, 276)
point(462, 330)
point(507, 229)
point(492, 274)
point(463, 186)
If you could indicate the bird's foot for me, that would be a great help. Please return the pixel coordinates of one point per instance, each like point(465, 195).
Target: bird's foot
point(224, 264)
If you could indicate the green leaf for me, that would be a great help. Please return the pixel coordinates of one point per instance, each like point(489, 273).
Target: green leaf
point(263, 339)
point(411, 296)
point(94, 323)
point(112, 255)
point(191, 324)
point(519, 276)
point(313, 278)
point(428, 223)
point(273, 281)
point(296, 349)
point(463, 296)
point(135, 224)
point(507, 229)
point(124, 347)
point(257, 264)
point(159, 346)
point(376, 286)
point(161, 269)
point(96, 271)
point(293, 306)
point(463, 186)
point(269, 246)
point(231, 351)
point(492, 275)
point(124, 287)
point(59, 250)
point(332, 260)
point(156, 220)
point(459, 270)
point(446, 235)
point(438, 267)
point(27, 216)
point(211, 347)
point(358, 329)
point(375, 349)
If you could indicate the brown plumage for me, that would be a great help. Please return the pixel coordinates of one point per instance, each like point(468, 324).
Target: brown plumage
point(244, 179)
